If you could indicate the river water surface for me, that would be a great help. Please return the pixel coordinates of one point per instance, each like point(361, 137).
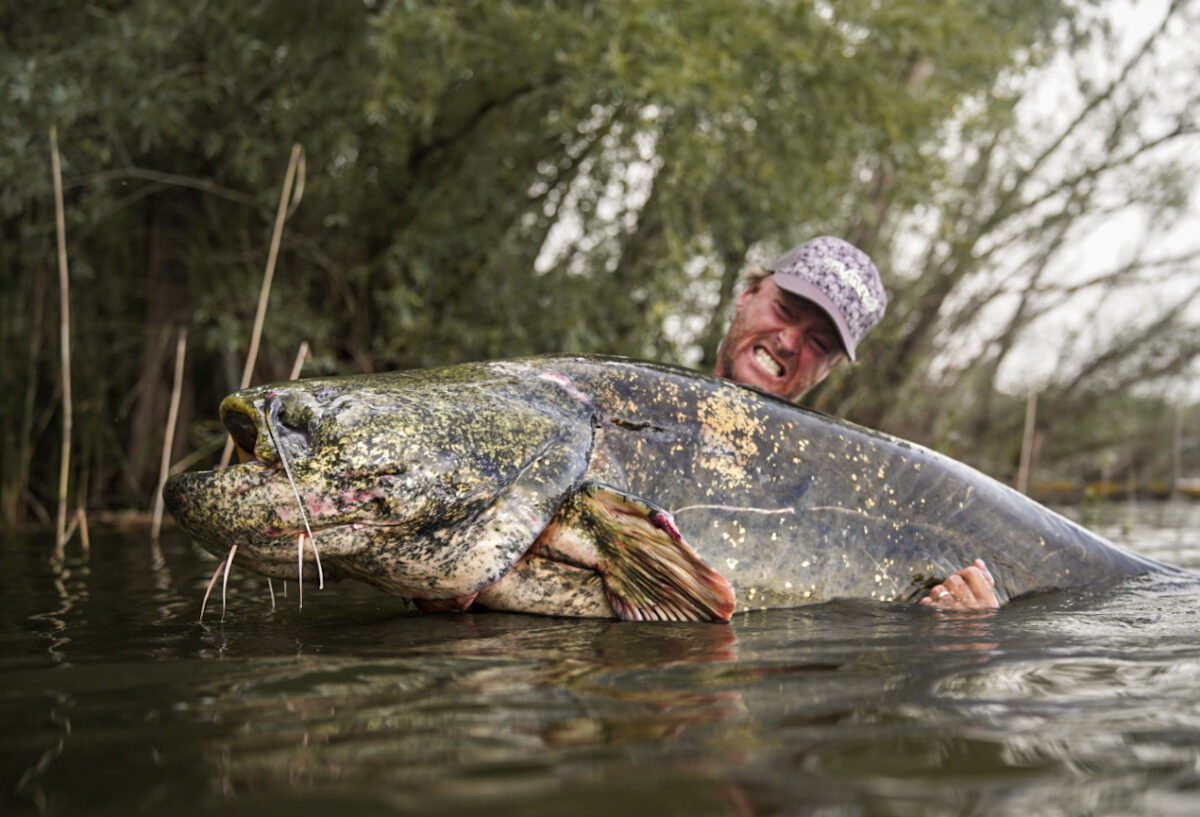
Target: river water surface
point(114, 698)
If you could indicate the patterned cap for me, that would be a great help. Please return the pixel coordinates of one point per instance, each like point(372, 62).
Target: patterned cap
point(839, 278)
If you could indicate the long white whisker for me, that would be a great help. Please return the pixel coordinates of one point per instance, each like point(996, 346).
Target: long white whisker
point(211, 584)
point(317, 559)
point(300, 566)
point(272, 419)
point(225, 582)
point(271, 587)
point(307, 529)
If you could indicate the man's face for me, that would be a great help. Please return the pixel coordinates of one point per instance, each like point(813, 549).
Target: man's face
point(779, 342)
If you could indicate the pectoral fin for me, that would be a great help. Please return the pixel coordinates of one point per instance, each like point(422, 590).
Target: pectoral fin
point(649, 571)
point(456, 561)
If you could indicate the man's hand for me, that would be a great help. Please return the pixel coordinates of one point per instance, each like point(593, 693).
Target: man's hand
point(969, 589)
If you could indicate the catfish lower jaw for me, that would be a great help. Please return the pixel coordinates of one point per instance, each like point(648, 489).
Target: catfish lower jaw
point(252, 505)
point(343, 540)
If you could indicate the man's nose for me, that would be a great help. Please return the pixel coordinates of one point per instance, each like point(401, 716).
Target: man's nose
point(791, 338)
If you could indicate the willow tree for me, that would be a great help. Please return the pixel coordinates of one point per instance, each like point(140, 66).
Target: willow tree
point(568, 177)
point(1052, 257)
point(484, 179)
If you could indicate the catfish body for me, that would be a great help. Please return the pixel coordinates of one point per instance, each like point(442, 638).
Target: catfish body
point(594, 486)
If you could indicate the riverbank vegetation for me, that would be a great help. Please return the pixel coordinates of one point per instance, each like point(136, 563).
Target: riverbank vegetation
point(497, 179)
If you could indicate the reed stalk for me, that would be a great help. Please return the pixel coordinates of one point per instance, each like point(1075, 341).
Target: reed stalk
point(1177, 452)
point(64, 325)
point(164, 466)
point(301, 356)
point(295, 169)
point(85, 537)
point(79, 523)
point(1027, 440)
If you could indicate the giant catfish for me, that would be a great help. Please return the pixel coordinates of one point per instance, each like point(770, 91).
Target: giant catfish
point(596, 486)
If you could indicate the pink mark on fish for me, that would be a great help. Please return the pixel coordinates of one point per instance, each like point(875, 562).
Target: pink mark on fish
point(566, 384)
point(351, 498)
point(320, 505)
point(665, 521)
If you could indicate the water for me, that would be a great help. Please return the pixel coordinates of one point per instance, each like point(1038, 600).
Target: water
point(115, 699)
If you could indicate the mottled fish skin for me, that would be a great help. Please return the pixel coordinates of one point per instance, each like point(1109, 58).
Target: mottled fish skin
point(434, 484)
point(408, 481)
point(795, 507)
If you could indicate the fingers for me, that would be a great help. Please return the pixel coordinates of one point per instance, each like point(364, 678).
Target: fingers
point(972, 588)
point(979, 581)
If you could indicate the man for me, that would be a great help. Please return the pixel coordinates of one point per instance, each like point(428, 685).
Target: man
point(797, 320)
point(801, 316)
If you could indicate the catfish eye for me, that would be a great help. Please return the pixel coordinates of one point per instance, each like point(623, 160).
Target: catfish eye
point(289, 422)
point(289, 425)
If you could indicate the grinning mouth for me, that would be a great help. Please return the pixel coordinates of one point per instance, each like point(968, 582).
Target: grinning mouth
point(770, 364)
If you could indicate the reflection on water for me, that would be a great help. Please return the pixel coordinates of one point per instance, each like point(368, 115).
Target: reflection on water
point(116, 699)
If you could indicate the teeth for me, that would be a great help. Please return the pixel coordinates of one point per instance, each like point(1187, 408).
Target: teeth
point(767, 362)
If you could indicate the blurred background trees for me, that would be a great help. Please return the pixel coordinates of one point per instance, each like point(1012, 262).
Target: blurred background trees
point(494, 179)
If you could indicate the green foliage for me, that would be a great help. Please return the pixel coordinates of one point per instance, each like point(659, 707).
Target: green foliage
point(484, 179)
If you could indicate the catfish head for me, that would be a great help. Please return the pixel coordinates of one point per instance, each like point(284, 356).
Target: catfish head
point(436, 485)
point(423, 488)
